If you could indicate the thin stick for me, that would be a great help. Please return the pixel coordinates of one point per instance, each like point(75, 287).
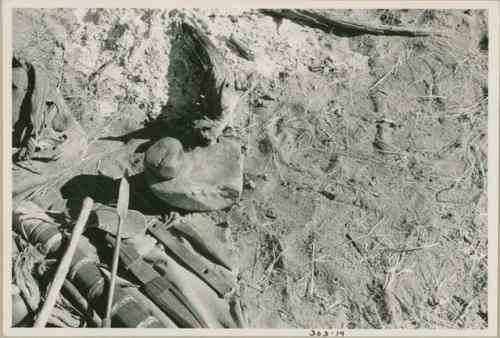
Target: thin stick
point(313, 261)
point(63, 268)
point(81, 303)
point(122, 209)
point(59, 82)
point(114, 268)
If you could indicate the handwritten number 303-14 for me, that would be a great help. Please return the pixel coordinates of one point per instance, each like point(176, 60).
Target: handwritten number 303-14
point(318, 333)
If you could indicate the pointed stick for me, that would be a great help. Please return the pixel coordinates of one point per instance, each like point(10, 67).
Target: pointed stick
point(64, 265)
point(122, 208)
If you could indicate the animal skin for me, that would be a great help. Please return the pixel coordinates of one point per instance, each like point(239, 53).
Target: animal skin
point(41, 119)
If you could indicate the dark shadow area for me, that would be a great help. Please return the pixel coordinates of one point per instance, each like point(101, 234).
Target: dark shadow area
point(104, 250)
point(157, 130)
point(146, 133)
point(104, 190)
point(99, 188)
point(150, 133)
point(184, 76)
point(21, 101)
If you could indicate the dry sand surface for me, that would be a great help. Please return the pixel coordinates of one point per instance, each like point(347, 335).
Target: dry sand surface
point(365, 157)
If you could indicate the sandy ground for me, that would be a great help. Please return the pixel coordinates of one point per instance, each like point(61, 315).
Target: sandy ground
point(364, 202)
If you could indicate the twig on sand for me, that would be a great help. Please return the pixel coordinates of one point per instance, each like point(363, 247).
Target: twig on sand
point(462, 315)
point(318, 19)
point(361, 253)
point(467, 198)
point(351, 186)
point(239, 48)
point(391, 71)
point(426, 246)
point(95, 76)
point(370, 232)
point(382, 326)
point(61, 70)
point(310, 289)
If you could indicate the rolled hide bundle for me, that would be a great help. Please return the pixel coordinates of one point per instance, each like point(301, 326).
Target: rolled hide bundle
point(126, 310)
point(34, 225)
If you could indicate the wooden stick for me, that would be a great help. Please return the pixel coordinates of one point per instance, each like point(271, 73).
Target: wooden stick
point(324, 21)
point(61, 70)
point(81, 303)
point(106, 322)
point(122, 209)
point(63, 268)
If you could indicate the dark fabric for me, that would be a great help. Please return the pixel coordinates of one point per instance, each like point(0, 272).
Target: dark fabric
point(49, 140)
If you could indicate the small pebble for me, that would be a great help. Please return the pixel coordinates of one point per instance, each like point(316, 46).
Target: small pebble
point(249, 184)
point(258, 103)
point(268, 97)
point(270, 213)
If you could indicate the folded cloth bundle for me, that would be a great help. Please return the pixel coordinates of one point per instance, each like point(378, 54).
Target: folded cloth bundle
point(211, 244)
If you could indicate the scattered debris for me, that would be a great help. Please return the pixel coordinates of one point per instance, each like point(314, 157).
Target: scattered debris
point(248, 183)
point(383, 140)
point(240, 48)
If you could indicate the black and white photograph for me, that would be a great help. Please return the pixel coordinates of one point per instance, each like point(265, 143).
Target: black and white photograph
point(324, 170)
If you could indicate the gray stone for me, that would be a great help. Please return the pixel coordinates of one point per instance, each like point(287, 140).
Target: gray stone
point(204, 179)
point(165, 158)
